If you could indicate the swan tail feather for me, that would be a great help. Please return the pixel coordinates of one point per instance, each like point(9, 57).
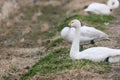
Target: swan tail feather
point(114, 59)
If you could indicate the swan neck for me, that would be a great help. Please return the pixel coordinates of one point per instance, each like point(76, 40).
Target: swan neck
point(75, 44)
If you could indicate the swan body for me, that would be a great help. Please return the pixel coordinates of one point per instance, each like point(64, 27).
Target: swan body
point(95, 54)
point(87, 34)
point(100, 8)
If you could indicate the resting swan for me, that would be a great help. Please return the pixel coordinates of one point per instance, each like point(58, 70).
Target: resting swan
point(100, 8)
point(88, 35)
point(95, 54)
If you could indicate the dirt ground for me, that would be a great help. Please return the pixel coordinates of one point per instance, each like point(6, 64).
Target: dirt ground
point(114, 32)
point(18, 60)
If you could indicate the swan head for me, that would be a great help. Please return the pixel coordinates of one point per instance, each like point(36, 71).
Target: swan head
point(75, 23)
point(113, 4)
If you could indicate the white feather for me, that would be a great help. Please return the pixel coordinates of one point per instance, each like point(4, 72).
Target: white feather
point(95, 54)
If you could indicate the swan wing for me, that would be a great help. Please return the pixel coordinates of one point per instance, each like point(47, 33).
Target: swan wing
point(93, 33)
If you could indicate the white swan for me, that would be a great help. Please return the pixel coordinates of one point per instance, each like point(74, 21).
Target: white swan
point(100, 8)
point(95, 54)
point(88, 35)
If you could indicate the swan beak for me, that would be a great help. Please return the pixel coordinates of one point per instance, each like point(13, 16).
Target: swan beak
point(69, 24)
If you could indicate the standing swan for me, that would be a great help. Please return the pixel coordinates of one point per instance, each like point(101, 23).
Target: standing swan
point(100, 8)
point(95, 54)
